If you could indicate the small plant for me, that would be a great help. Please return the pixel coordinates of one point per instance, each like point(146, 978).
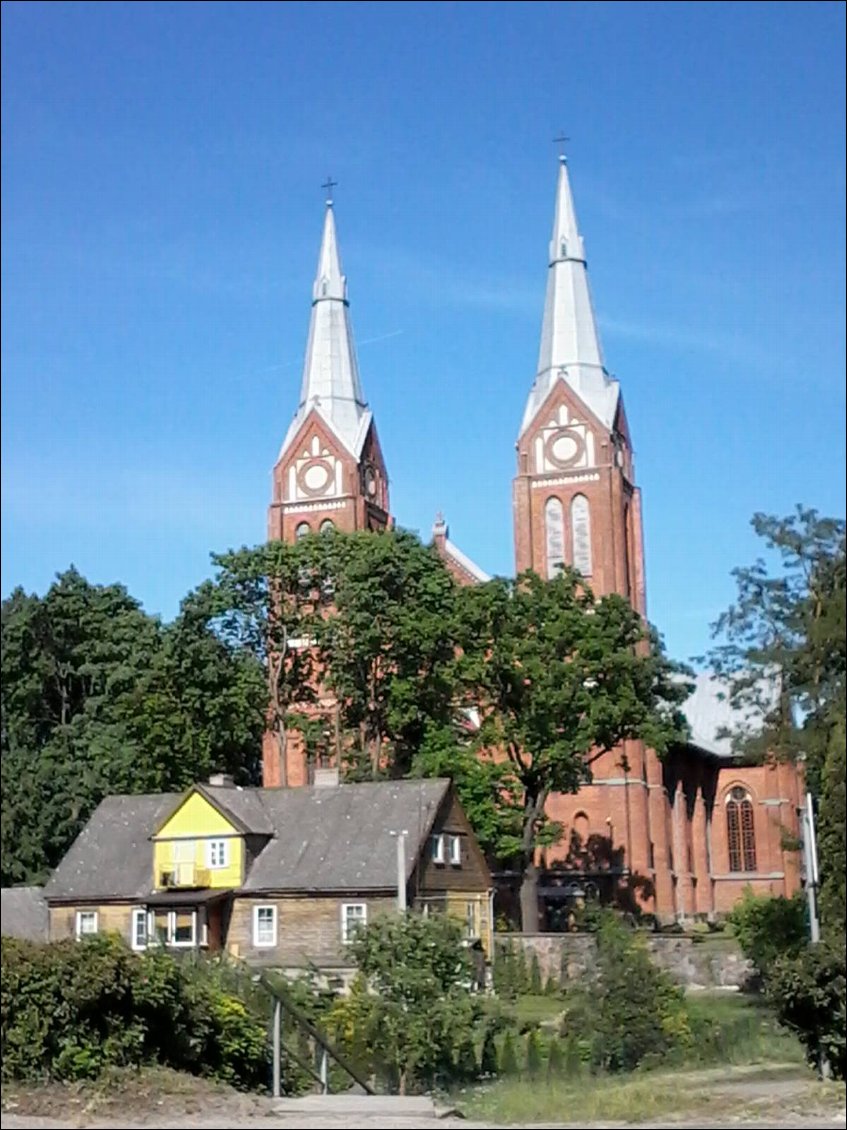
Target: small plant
point(536, 984)
point(555, 1059)
point(533, 1054)
point(508, 1056)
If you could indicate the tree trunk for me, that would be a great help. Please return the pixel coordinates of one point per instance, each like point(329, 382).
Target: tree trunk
point(532, 812)
point(529, 898)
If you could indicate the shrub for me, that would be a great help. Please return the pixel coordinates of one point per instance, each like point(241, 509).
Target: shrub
point(536, 984)
point(555, 1059)
point(508, 1056)
point(808, 991)
point(533, 1054)
point(72, 1009)
point(638, 1011)
point(769, 928)
point(414, 1017)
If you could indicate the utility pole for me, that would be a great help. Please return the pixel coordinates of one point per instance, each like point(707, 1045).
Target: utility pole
point(810, 860)
point(401, 870)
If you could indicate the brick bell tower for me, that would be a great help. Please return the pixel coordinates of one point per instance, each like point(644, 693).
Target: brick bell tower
point(576, 503)
point(330, 472)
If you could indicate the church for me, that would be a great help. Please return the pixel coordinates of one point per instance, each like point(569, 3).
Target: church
point(678, 839)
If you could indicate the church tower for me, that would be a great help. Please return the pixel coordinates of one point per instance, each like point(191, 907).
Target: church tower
point(575, 499)
point(330, 471)
point(576, 503)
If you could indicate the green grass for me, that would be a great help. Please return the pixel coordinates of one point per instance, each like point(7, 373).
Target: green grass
point(645, 1095)
point(737, 1028)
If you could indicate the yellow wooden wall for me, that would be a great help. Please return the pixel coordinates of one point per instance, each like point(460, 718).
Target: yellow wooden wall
point(195, 823)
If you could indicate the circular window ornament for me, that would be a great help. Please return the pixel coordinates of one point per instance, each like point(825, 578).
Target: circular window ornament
point(315, 477)
point(564, 448)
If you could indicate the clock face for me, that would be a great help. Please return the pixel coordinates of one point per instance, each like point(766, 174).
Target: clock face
point(564, 448)
point(315, 477)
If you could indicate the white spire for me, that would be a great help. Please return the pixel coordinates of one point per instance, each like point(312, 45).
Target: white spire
point(570, 345)
point(330, 373)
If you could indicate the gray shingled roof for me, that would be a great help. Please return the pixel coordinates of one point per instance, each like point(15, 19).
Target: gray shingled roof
point(24, 913)
point(112, 857)
point(330, 838)
point(340, 838)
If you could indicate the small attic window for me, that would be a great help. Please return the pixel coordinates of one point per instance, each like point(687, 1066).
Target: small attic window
point(563, 248)
point(324, 285)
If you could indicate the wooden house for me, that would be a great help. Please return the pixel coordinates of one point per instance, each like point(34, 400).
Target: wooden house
point(278, 877)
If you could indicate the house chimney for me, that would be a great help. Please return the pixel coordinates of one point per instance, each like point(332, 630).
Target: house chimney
point(222, 780)
point(326, 778)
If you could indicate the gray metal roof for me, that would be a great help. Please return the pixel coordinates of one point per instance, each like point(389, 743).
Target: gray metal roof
point(570, 343)
point(339, 838)
point(24, 913)
point(709, 711)
point(331, 381)
point(112, 857)
point(327, 838)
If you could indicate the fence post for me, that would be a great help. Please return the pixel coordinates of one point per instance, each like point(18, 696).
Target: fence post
point(277, 1048)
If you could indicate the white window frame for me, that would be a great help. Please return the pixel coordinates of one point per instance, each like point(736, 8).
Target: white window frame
point(139, 914)
point(346, 935)
point(172, 928)
point(455, 851)
point(223, 845)
point(86, 914)
point(257, 942)
point(436, 848)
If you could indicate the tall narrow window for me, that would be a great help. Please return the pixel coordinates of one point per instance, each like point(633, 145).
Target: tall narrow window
point(354, 915)
point(740, 831)
point(301, 529)
point(554, 529)
point(139, 928)
point(264, 926)
point(581, 529)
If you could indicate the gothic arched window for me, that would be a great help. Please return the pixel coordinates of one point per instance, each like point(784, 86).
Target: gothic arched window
point(327, 524)
point(301, 530)
point(740, 832)
point(554, 531)
point(581, 530)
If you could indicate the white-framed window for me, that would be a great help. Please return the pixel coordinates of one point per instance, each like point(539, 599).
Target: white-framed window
point(264, 926)
point(354, 915)
point(436, 848)
point(86, 922)
point(183, 927)
point(218, 854)
point(456, 851)
point(471, 920)
point(139, 928)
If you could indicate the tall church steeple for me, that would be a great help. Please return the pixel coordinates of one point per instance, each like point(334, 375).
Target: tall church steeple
point(575, 499)
point(570, 343)
point(330, 468)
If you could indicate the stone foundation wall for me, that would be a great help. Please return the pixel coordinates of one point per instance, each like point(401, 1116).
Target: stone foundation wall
point(716, 963)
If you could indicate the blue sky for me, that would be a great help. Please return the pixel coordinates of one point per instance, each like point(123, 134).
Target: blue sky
point(161, 217)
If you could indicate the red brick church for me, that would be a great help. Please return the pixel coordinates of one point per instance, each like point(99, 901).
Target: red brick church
point(678, 839)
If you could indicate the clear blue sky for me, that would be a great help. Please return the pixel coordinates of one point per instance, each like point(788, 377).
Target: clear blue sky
point(161, 219)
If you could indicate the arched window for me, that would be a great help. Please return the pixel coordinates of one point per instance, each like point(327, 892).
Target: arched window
point(327, 524)
point(563, 249)
point(554, 529)
point(581, 530)
point(740, 832)
point(301, 530)
point(582, 829)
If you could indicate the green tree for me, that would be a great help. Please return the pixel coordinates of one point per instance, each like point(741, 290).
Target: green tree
point(420, 1015)
point(98, 697)
point(387, 650)
point(783, 652)
point(560, 677)
point(264, 603)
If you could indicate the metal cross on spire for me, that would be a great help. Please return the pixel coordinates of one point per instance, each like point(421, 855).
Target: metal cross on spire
point(560, 141)
point(329, 184)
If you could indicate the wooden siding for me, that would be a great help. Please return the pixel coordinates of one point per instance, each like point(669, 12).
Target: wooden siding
point(112, 918)
point(188, 832)
point(308, 929)
point(471, 874)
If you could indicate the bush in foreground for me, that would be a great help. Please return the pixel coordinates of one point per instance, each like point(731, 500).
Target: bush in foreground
point(70, 1010)
point(809, 992)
